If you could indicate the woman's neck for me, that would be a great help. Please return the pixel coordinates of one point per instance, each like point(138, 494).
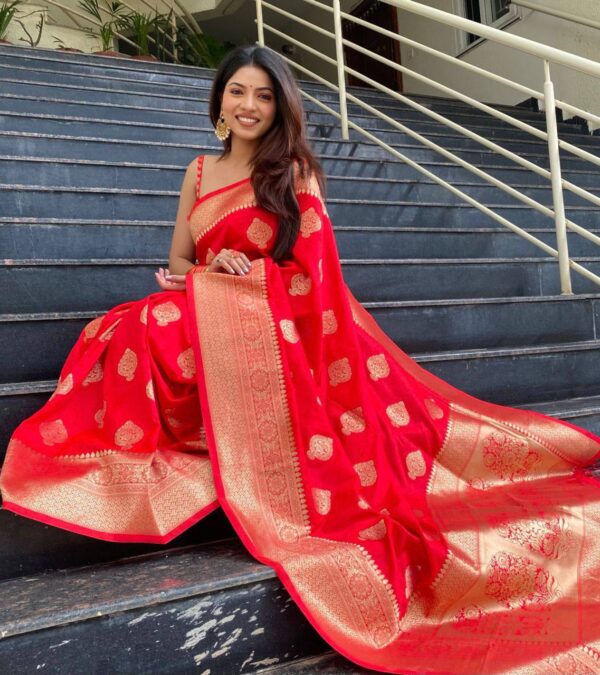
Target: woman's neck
point(241, 152)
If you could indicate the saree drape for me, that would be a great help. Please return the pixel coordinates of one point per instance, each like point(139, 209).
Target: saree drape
point(419, 529)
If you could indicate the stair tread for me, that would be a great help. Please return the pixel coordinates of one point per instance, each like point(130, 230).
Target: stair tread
point(74, 595)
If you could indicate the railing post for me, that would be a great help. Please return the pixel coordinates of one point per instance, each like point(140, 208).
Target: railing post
point(341, 73)
point(557, 190)
point(259, 23)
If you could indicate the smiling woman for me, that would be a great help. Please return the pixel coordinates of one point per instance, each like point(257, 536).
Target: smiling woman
point(419, 529)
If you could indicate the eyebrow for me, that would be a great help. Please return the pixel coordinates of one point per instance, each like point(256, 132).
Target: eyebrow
point(243, 85)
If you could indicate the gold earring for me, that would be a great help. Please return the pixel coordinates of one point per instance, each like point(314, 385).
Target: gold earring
point(222, 130)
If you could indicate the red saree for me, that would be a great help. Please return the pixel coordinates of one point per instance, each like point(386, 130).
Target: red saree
point(419, 529)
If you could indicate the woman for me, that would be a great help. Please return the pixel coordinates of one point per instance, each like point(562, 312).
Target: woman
point(418, 528)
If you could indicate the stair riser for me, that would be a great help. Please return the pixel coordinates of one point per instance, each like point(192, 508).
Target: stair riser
point(106, 206)
point(123, 178)
point(415, 329)
point(30, 547)
point(218, 632)
point(151, 110)
point(518, 379)
point(30, 241)
point(96, 287)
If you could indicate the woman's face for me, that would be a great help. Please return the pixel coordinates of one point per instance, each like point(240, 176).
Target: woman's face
point(248, 102)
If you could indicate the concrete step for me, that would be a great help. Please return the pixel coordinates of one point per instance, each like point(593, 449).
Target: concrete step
point(197, 609)
point(103, 283)
point(459, 324)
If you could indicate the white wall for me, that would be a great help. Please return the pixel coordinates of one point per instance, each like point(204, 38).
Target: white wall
point(575, 88)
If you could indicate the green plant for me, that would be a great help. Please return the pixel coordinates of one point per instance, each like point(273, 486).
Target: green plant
point(106, 32)
point(7, 13)
point(200, 49)
point(139, 26)
point(40, 26)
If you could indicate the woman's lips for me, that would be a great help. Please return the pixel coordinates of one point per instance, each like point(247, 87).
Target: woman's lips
point(245, 121)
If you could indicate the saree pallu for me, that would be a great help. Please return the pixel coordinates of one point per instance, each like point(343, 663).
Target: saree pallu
point(419, 529)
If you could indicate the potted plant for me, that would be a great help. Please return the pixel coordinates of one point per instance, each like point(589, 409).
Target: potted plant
point(33, 42)
point(7, 13)
point(106, 31)
point(138, 27)
point(200, 49)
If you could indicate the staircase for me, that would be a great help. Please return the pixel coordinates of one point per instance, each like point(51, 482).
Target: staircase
point(92, 153)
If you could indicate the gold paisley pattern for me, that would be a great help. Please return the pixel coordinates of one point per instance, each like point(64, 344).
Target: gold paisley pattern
point(95, 375)
point(320, 447)
point(128, 364)
point(64, 386)
point(378, 366)
point(150, 390)
point(187, 363)
point(367, 473)
point(322, 500)
point(398, 414)
point(377, 531)
point(99, 416)
point(288, 330)
point(144, 315)
point(166, 313)
point(415, 464)
point(363, 503)
point(352, 421)
point(339, 371)
point(434, 410)
point(92, 328)
point(259, 232)
point(301, 284)
point(330, 324)
point(310, 222)
point(109, 332)
point(53, 432)
point(128, 434)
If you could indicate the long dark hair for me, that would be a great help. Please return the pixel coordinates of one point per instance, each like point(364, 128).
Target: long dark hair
point(283, 145)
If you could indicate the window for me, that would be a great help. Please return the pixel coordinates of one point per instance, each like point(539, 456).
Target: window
point(490, 12)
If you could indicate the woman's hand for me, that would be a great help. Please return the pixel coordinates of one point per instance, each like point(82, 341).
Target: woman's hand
point(170, 282)
point(233, 262)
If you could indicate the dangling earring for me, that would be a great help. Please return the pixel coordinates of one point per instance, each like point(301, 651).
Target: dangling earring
point(222, 130)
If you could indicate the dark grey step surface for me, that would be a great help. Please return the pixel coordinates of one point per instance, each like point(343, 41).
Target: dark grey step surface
point(210, 607)
point(328, 663)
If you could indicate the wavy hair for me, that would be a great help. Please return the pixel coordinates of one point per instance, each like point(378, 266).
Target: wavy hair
point(281, 148)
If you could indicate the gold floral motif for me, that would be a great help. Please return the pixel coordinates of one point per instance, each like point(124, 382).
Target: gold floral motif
point(144, 314)
point(378, 366)
point(551, 537)
point(259, 232)
point(567, 664)
point(330, 324)
point(288, 330)
point(469, 617)
point(172, 421)
point(126, 473)
point(128, 434)
point(128, 364)
point(366, 471)
point(92, 327)
point(322, 500)
point(166, 313)
point(352, 421)
point(339, 371)
point(363, 503)
point(95, 375)
point(508, 457)
point(309, 222)
point(320, 447)
point(187, 363)
point(398, 414)
point(110, 331)
point(301, 284)
point(434, 410)
point(150, 390)
point(210, 256)
point(377, 531)
point(65, 386)
point(517, 581)
point(415, 463)
point(53, 432)
point(100, 414)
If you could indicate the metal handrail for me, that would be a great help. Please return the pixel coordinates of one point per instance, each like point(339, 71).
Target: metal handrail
point(548, 54)
point(557, 13)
